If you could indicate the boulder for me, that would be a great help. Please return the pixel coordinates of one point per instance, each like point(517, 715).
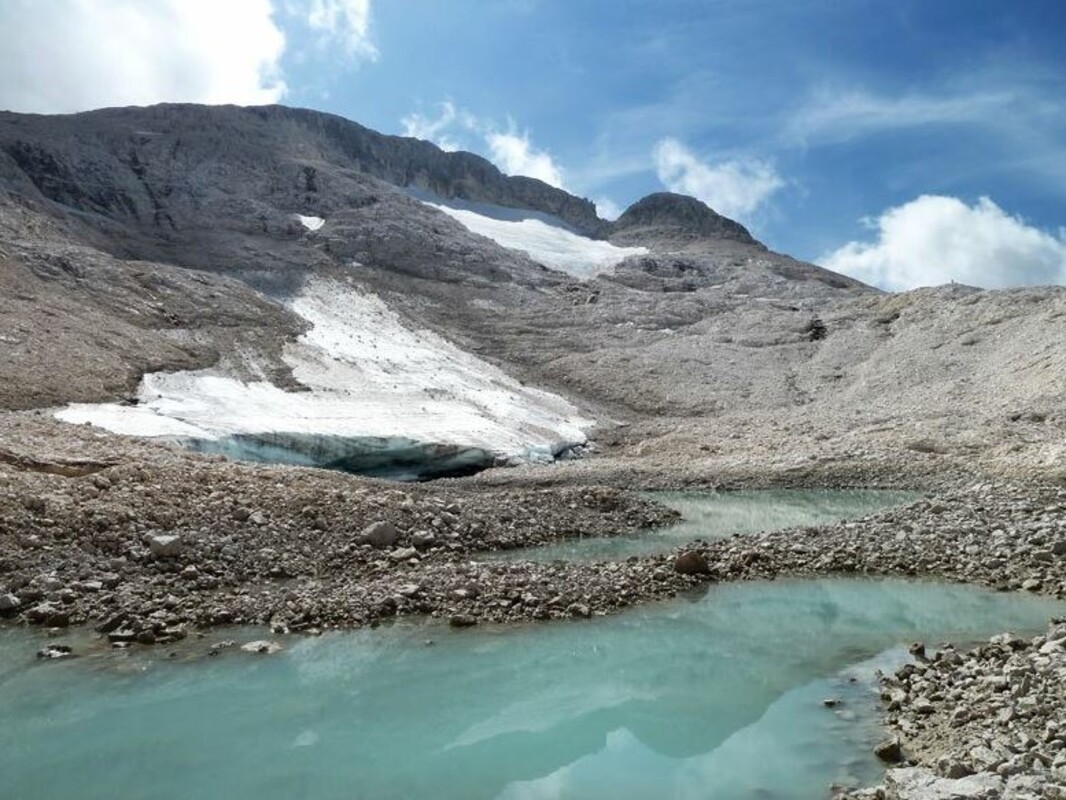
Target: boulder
point(9, 604)
point(49, 615)
point(889, 751)
point(55, 651)
point(121, 635)
point(261, 647)
point(691, 562)
point(423, 539)
point(164, 546)
point(916, 783)
point(380, 534)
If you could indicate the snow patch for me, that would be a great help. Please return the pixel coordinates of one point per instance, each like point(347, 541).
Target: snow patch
point(544, 238)
point(311, 223)
point(369, 376)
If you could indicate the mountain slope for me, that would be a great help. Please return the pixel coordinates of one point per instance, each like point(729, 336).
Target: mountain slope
point(189, 235)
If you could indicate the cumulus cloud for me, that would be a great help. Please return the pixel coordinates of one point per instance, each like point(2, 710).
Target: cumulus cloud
point(344, 22)
point(73, 55)
point(606, 208)
point(515, 154)
point(734, 188)
point(935, 239)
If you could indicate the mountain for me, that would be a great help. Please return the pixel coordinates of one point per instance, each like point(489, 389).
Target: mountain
point(282, 281)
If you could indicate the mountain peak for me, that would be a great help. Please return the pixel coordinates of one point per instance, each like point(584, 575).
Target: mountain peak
point(676, 220)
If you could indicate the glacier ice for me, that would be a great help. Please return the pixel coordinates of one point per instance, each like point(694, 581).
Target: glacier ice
point(395, 458)
point(370, 378)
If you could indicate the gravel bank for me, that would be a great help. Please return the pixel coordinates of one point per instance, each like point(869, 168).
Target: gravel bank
point(987, 723)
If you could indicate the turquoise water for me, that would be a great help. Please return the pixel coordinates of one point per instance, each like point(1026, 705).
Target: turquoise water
point(714, 515)
point(717, 696)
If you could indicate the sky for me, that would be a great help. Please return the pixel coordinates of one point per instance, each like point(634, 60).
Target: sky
point(904, 142)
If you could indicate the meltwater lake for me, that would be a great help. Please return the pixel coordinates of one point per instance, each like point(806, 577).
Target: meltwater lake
point(715, 515)
point(715, 696)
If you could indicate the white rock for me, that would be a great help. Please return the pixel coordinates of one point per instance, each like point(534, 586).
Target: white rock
point(917, 783)
point(311, 223)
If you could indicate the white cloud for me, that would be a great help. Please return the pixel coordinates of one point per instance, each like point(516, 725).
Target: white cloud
point(511, 151)
point(515, 154)
point(73, 55)
point(733, 188)
point(935, 239)
point(840, 115)
point(439, 129)
point(345, 22)
point(606, 208)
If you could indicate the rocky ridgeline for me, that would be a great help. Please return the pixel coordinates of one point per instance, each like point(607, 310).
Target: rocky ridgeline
point(983, 724)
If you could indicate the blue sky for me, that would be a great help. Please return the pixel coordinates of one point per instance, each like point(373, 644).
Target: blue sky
point(860, 134)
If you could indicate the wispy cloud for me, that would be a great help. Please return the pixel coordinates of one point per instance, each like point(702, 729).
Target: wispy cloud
point(508, 147)
point(935, 239)
point(441, 129)
point(345, 23)
point(734, 188)
point(841, 115)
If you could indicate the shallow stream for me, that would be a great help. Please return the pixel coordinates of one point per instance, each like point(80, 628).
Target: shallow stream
point(715, 696)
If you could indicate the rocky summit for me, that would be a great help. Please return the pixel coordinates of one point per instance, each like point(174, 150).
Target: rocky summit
point(202, 306)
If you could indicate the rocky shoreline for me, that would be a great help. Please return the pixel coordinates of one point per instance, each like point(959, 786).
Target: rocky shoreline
point(982, 724)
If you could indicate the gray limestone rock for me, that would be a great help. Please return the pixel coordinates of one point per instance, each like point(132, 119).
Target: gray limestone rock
point(917, 783)
point(165, 546)
point(380, 534)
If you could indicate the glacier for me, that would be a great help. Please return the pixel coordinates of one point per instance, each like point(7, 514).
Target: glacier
point(544, 238)
point(311, 223)
point(380, 395)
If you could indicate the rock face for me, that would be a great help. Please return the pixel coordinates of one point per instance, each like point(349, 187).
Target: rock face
point(134, 139)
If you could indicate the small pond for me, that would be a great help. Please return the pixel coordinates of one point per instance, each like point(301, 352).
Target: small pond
point(714, 515)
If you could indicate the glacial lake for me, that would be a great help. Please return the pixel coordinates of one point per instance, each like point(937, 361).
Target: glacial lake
point(715, 515)
point(715, 696)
